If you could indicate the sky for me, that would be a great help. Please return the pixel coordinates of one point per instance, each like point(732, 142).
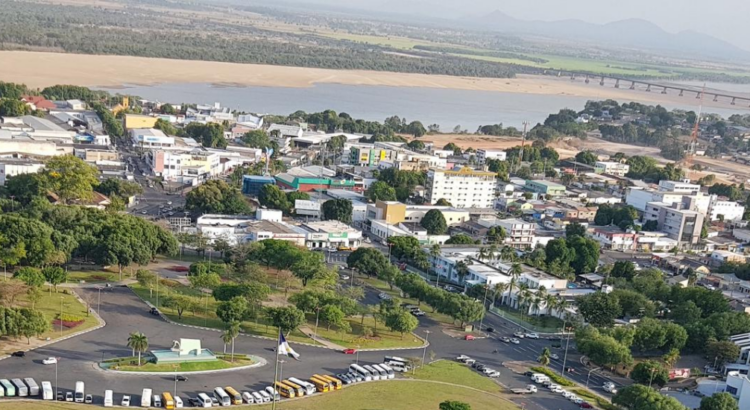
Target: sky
point(724, 19)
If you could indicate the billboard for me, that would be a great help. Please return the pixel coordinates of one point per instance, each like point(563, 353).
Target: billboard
point(682, 373)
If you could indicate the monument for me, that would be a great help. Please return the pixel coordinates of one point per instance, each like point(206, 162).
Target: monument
point(184, 350)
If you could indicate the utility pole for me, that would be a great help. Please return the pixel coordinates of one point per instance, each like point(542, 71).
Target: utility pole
point(484, 302)
point(523, 141)
point(424, 353)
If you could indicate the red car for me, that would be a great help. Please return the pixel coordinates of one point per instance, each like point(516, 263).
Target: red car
point(469, 337)
point(350, 351)
point(585, 405)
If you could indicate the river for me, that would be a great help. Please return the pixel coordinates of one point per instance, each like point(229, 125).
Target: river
point(446, 107)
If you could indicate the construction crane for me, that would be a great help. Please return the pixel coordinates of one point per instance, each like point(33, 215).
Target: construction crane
point(688, 161)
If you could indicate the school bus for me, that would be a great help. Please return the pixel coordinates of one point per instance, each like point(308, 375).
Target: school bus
point(234, 395)
point(298, 390)
point(284, 390)
point(168, 401)
point(321, 385)
point(336, 383)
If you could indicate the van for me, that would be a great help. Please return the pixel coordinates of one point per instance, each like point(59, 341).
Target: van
point(257, 398)
point(23, 391)
point(146, 398)
point(234, 396)
point(108, 399)
point(357, 369)
point(222, 397)
point(157, 401)
point(540, 378)
point(204, 400)
point(373, 373)
point(272, 393)
point(266, 396)
point(47, 393)
point(388, 370)
point(33, 387)
point(10, 390)
point(178, 402)
point(383, 373)
point(248, 398)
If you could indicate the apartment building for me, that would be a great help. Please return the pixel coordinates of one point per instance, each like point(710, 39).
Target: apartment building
point(184, 166)
point(395, 212)
point(611, 168)
point(682, 225)
point(483, 155)
point(545, 187)
point(463, 188)
point(685, 188)
point(729, 210)
point(612, 237)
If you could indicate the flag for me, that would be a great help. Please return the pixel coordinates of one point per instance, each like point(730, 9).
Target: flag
point(285, 349)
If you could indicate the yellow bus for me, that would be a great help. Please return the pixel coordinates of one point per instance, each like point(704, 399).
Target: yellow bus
point(284, 390)
point(168, 402)
point(234, 395)
point(336, 383)
point(299, 390)
point(321, 385)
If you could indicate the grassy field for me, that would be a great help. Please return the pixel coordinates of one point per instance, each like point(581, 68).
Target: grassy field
point(188, 367)
point(385, 338)
point(383, 287)
point(390, 395)
point(92, 277)
point(594, 399)
point(542, 324)
point(454, 372)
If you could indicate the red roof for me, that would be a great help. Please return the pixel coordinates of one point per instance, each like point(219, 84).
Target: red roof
point(39, 101)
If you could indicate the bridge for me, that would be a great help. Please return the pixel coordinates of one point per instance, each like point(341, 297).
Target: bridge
point(648, 86)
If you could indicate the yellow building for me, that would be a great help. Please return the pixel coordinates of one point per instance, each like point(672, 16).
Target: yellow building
point(391, 212)
point(135, 121)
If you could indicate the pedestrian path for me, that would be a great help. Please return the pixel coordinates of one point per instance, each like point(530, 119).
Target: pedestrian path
point(306, 330)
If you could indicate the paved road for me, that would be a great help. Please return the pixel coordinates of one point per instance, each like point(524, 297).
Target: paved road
point(125, 313)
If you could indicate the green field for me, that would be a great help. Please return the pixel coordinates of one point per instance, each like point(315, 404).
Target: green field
point(384, 338)
point(454, 372)
point(92, 277)
point(189, 367)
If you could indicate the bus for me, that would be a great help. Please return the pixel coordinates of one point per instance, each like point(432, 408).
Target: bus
point(299, 391)
point(374, 373)
point(33, 387)
point(336, 383)
point(234, 395)
point(6, 385)
point(357, 369)
point(204, 400)
point(309, 387)
point(395, 359)
point(146, 398)
point(222, 397)
point(167, 400)
point(383, 373)
point(323, 386)
point(21, 389)
point(108, 398)
point(388, 369)
point(284, 390)
point(46, 391)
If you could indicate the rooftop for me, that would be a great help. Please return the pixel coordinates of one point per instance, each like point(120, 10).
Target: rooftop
point(328, 227)
point(548, 184)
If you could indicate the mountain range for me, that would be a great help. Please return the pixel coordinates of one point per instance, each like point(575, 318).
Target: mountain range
point(630, 33)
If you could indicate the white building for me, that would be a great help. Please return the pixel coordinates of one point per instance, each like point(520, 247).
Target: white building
point(251, 121)
point(185, 166)
point(31, 128)
point(464, 188)
point(685, 188)
point(227, 227)
point(483, 154)
point(283, 134)
point(738, 385)
point(519, 234)
point(730, 210)
point(330, 234)
point(150, 138)
point(612, 168)
point(10, 167)
point(383, 230)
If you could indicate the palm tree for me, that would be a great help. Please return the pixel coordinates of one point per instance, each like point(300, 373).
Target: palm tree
point(499, 291)
point(139, 343)
point(226, 337)
point(515, 272)
point(435, 253)
point(233, 331)
point(536, 303)
point(493, 252)
point(671, 357)
point(507, 254)
point(462, 269)
point(544, 358)
point(551, 302)
point(692, 276)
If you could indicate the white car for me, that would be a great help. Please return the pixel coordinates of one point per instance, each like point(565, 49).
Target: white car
point(50, 360)
point(610, 387)
point(515, 341)
point(532, 335)
point(125, 401)
point(556, 389)
point(552, 386)
point(554, 356)
point(519, 335)
point(573, 398)
point(493, 373)
point(567, 394)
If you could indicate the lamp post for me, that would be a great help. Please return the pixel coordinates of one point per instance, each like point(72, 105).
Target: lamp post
point(281, 369)
point(357, 361)
point(567, 343)
point(99, 300)
point(61, 315)
point(317, 315)
point(484, 301)
point(175, 379)
point(56, 379)
point(424, 352)
point(589, 375)
point(651, 379)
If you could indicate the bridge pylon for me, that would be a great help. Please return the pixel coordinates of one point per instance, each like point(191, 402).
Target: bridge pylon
point(648, 89)
point(601, 82)
point(681, 91)
point(617, 84)
point(632, 85)
point(664, 90)
point(587, 79)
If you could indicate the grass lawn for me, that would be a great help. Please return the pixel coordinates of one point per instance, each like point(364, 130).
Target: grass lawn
point(188, 367)
point(457, 373)
point(385, 338)
point(390, 395)
point(207, 318)
point(92, 277)
point(383, 287)
point(542, 324)
point(594, 399)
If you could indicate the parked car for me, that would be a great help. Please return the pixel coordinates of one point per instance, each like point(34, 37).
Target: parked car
point(417, 313)
point(194, 402)
point(585, 405)
point(69, 396)
point(469, 337)
point(519, 335)
point(462, 358)
point(350, 351)
point(18, 354)
point(50, 360)
point(60, 396)
point(532, 335)
point(89, 399)
point(125, 401)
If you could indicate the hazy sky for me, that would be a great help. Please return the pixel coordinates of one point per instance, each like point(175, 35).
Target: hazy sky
point(725, 19)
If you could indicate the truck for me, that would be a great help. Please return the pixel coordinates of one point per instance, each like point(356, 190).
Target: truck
point(146, 398)
point(47, 391)
point(529, 389)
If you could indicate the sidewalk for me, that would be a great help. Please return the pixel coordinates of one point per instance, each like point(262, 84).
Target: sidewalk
point(306, 330)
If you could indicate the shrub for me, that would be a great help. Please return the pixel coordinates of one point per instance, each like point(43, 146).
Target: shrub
point(554, 376)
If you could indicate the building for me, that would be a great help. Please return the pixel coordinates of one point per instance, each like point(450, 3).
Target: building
point(306, 179)
point(681, 225)
point(75, 104)
point(37, 102)
point(729, 210)
point(483, 154)
point(231, 228)
point(717, 258)
point(330, 234)
point(518, 234)
point(29, 127)
point(252, 184)
point(150, 138)
point(685, 188)
point(188, 167)
point(738, 385)
point(283, 134)
point(464, 188)
point(382, 231)
point(611, 168)
point(366, 155)
point(545, 187)
point(742, 363)
point(613, 238)
point(395, 212)
point(135, 121)
point(10, 167)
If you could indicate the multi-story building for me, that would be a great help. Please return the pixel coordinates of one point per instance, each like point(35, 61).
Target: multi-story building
point(463, 188)
point(681, 225)
point(330, 234)
point(738, 385)
point(484, 154)
point(545, 187)
point(612, 168)
point(306, 179)
point(518, 234)
point(396, 212)
point(184, 166)
point(685, 188)
point(252, 184)
point(612, 237)
point(10, 167)
point(150, 138)
point(729, 210)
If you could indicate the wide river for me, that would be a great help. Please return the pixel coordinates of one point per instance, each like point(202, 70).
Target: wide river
point(447, 107)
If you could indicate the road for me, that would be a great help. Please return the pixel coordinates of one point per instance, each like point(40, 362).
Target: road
point(125, 313)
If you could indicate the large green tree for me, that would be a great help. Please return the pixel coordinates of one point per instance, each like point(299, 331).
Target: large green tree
point(651, 373)
point(70, 178)
point(719, 401)
point(434, 222)
point(380, 191)
point(338, 209)
point(216, 196)
point(286, 318)
point(599, 309)
point(272, 197)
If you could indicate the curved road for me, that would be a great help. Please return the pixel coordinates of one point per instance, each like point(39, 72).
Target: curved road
point(125, 313)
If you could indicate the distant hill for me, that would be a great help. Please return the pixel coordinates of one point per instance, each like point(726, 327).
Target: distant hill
point(630, 33)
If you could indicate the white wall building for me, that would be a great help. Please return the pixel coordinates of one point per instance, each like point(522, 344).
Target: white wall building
point(150, 138)
point(10, 167)
point(731, 210)
point(483, 154)
point(738, 385)
point(612, 168)
point(678, 186)
point(519, 234)
point(330, 234)
point(464, 188)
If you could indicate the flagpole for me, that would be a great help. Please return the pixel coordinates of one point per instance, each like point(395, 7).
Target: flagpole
point(276, 371)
